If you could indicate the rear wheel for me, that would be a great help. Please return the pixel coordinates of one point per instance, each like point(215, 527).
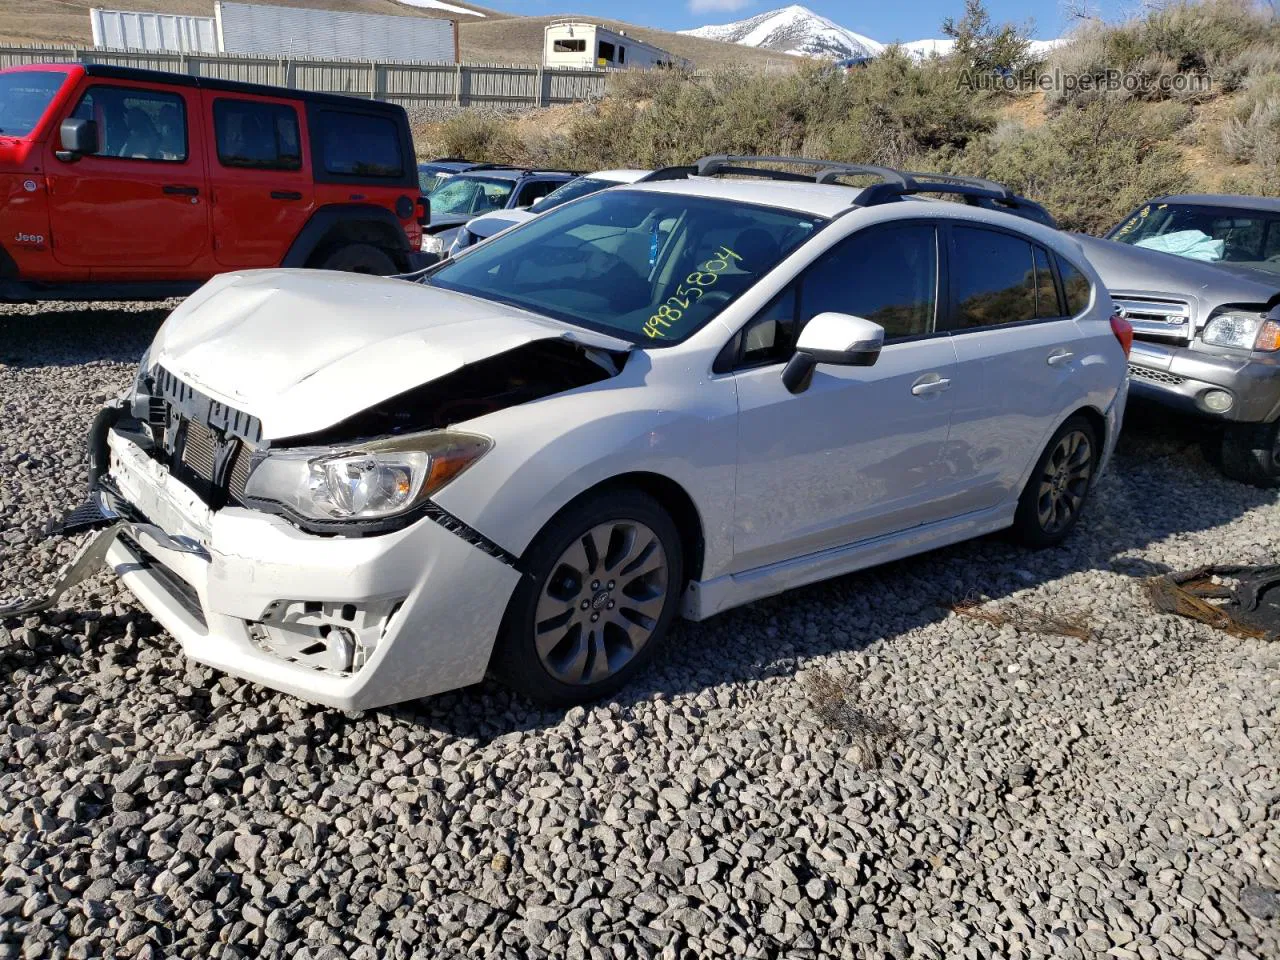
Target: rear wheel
point(602, 584)
point(359, 258)
point(1059, 485)
point(1251, 453)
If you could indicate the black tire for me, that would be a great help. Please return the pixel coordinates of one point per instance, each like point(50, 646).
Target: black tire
point(586, 617)
point(358, 258)
point(1250, 453)
point(1059, 486)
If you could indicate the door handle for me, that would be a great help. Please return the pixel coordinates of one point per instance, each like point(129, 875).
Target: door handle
point(285, 195)
point(180, 190)
point(929, 384)
point(1059, 357)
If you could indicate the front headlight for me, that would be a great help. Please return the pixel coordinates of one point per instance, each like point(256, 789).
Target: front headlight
point(432, 243)
point(1246, 331)
point(369, 481)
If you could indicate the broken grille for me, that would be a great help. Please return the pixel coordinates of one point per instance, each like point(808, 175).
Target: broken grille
point(1156, 376)
point(208, 445)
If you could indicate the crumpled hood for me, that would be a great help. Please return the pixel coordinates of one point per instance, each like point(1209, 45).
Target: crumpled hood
point(304, 349)
point(1126, 269)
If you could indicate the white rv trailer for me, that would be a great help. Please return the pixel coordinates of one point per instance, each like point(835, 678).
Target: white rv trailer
point(585, 45)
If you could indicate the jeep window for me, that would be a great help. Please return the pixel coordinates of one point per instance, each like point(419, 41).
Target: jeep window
point(359, 145)
point(24, 97)
point(257, 135)
point(1075, 286)
point(888, 275)
point(136, 124)
point(649, 267)
point(581, 187)
point(1198, 231)
point(469, 195)
point(993, 278)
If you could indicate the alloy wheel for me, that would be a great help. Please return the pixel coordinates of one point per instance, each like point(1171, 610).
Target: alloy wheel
point(601, 603)
point(1064, 482)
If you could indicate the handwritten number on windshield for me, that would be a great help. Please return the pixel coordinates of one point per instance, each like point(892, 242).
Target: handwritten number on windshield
point(689, 292)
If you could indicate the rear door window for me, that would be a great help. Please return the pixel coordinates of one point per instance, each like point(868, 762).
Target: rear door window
point(255, 135)
point(136, 124)
point(359, 145)
point(993, 278)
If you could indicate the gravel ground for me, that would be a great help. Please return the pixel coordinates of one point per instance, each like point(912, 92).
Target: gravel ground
point(851, 770)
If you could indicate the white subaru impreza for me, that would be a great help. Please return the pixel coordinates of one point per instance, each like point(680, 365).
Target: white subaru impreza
point(662, 399)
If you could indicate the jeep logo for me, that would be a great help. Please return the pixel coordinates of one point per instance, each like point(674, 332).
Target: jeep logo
point(34, 239)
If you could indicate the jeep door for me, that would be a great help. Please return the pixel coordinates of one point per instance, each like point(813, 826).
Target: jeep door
point(135, 209)
point(1019, 360)
point(262, 193)
point(857, 454)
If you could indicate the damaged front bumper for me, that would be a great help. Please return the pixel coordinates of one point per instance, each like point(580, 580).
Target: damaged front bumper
point(1190, 380)
point(349, 622)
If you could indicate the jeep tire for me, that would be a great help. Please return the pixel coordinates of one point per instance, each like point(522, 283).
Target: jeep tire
point(358, 258)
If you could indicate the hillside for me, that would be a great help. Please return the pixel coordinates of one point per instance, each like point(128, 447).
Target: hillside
point(67, 21)
point(519, 40)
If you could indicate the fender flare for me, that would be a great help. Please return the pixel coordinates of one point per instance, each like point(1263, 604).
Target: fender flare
point(371, 218)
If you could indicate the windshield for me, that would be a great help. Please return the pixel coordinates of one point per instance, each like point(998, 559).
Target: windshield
point(1250, 238)
point(431, 177)
point(645, 266)
point(468, 195)
point(24, 97)
point(582, 187)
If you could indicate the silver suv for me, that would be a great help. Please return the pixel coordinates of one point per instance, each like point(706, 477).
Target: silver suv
point(1198, 277)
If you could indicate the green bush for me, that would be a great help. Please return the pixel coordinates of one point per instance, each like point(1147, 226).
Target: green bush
point(1089, 166)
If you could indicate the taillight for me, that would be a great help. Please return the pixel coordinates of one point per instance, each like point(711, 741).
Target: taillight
point(424, 211)
point(1123, 330)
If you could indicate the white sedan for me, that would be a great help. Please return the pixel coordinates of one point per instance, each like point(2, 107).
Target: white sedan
point(663, 399)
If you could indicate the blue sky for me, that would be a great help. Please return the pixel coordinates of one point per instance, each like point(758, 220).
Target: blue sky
point(880, 21)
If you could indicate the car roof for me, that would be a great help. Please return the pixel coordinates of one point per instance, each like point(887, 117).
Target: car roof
point(816, 199)
point(510, 173)
point(619, 176)
point(447, 164)
point(1234, 201)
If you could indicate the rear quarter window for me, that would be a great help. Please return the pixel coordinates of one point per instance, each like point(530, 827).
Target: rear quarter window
point(1075, 286)
point(359, 145)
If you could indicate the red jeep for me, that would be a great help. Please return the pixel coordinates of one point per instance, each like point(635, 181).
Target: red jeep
point(118, 183)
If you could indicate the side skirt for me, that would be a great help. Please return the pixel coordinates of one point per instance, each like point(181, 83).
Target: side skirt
point(706, 598)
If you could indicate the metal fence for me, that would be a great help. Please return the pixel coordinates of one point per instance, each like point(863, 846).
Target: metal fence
point(412, 85)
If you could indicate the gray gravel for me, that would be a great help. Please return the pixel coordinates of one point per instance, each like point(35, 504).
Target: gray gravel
point(852, 770)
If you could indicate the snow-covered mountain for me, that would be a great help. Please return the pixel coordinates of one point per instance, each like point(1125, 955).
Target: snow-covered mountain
point(798, 30)
point(794, 29)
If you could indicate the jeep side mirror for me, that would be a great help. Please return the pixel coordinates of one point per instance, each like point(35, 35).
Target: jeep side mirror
point(838, 338)
point(78, 138)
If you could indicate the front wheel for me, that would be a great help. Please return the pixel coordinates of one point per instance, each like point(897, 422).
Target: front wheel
point(1250, 453)
point(601, 586)
point(1055, 494)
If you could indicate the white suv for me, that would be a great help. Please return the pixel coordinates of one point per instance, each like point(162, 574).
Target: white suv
point(662, 399)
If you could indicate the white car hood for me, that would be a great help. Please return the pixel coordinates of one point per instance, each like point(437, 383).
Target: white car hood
point(302, 350)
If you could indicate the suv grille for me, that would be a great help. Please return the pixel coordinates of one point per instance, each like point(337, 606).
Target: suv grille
point(1156, 376)
point(1157, 319)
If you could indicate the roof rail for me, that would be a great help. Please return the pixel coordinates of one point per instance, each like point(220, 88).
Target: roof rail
point(893, 185)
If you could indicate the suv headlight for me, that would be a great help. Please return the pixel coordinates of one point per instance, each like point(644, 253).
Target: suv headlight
point(1246, 331)
point(368, 481)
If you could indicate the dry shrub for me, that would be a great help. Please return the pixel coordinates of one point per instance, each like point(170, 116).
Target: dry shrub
point(871, 739)
point(1252, 133)
point(1025, 619)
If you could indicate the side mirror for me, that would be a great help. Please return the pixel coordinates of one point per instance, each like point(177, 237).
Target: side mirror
point(837, 338)
point(78, 138)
